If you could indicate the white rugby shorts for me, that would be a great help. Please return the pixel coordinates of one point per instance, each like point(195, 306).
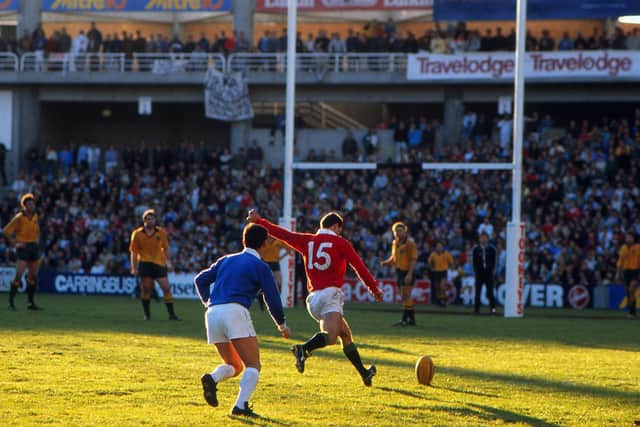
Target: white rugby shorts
point(328, 300)
point(226, 322)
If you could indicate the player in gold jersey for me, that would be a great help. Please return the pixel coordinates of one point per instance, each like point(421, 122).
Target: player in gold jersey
point(404, 255)
point(149, 249)
point(629, 270)
point(439, 262)
point(23, 232)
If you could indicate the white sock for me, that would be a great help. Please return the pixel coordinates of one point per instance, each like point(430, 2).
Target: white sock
point(223, 372)
point(248, 383)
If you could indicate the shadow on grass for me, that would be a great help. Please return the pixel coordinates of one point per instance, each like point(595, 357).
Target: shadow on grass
point(457, 390)
point(490, 414)
point(407, 393)
point(554, 386)
point(385, 348)
point(512, 417)
point(259, 420)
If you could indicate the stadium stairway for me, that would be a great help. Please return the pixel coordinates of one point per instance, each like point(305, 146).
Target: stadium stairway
point(314, 114)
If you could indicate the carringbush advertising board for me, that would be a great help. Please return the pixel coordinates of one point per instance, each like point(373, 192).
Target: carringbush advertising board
point(539, 66)
point(534, 294)
point(135, 5)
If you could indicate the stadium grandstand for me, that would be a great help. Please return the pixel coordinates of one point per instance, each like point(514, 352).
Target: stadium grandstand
point(103, 118)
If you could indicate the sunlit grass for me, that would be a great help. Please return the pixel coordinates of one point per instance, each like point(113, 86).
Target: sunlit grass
point(93, 361)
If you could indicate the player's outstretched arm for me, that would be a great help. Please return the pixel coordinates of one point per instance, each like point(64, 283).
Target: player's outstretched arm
point(362, 271)
point(295, 240)
point(203, 281)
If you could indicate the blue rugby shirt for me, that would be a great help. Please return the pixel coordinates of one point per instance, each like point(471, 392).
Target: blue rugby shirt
point(237, 278)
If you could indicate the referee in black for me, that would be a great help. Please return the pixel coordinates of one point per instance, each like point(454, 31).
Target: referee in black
point(484, 258)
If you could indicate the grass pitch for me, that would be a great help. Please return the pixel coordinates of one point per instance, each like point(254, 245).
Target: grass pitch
point(93, 361)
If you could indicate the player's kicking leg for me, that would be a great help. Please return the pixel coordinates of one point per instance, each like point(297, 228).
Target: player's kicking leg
point(351, 351)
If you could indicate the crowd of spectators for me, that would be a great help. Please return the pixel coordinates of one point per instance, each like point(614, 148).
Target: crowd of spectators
point(581, 193)
point(374, 36)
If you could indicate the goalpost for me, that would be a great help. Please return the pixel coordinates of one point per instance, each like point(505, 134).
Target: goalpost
point(514, 306)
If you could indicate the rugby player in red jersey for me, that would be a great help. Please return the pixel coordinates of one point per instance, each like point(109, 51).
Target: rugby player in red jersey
point(326, 255)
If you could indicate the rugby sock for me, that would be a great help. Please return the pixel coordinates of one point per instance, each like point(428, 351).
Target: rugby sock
point(411, 314)
point(319, 340)
point(12, 292)
point(146, 307)
point(351, 351)
point(170, 308)
point(405, 315)
point(248, 384)
point(31, 291)
point(223, 372)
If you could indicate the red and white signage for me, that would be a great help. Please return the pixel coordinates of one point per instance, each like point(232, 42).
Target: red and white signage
point(280, 6)
point(500, 66)
point(579, 296)
point(356, 291)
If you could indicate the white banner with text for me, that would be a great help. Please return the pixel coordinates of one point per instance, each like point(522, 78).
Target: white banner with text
point(500, 66)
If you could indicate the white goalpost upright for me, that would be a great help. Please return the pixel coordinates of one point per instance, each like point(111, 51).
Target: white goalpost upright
point(287, 264)
point(514, 306)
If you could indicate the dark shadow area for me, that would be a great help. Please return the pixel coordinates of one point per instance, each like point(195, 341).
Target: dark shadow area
point(457, 390)
point(491, 415)
point(512, 417)
point(407, 393)
point(557, 386)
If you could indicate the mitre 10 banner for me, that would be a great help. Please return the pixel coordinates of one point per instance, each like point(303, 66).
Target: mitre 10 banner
point(135, 5)
point(8, 5)
point(489, 10)
point(326, 5)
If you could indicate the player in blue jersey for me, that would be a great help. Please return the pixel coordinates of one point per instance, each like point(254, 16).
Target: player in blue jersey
point(227, 289)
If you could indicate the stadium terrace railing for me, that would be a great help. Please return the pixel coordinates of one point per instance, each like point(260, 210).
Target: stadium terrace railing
point(165, 63)
point(159, 63)
point(319, 62)
point(72, 62)
point(8, 62)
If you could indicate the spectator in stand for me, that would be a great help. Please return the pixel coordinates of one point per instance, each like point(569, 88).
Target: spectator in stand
point(580, 43)
point(94, 39)
point(565, 43)
point(322, 42)
point(501, 43)
point(242, 43)
point(175, 45)
point(371, 145)
point(203, 43)
point(337, 47)
point(38, 44)
point(619, 40)
point(255, 155)
point(415, 137)
point(78, 50)
point(349, 148)
point(400, 139)
point(546, 42)
point(474, 43)
point(531, 43)
point(487, 43)
point(229, 45)
point(633, 40)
